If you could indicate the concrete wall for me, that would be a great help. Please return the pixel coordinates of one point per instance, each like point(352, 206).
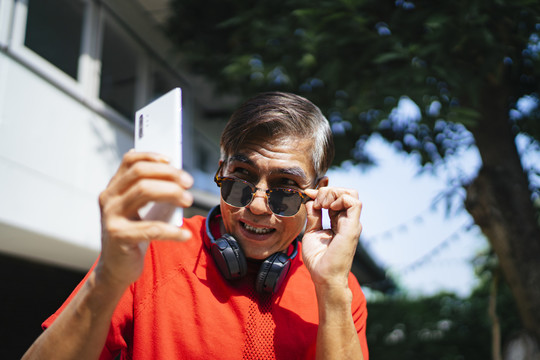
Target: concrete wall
point(60, 143)
point(56, 155)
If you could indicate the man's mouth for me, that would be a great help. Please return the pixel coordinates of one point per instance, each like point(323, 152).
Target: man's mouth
point(257, 230)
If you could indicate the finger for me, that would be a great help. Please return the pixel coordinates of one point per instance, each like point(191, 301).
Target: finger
point(150, 170)
point(312, 193)
point(344, 201)
point(347, 229)
point(345, 211)
point(314, 218)
point(134, 232)
point(132, 157)
point(147, 190)
point(328, 195)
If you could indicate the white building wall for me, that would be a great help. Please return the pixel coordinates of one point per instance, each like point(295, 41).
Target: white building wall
point(56, 155)
point(60, 144)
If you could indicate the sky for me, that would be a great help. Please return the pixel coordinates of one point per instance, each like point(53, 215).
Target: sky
point(407, 227)
point(406, 230)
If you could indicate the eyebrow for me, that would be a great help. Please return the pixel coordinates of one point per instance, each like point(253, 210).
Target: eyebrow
point(241, 158)
point(292, 171)
point(295, 171)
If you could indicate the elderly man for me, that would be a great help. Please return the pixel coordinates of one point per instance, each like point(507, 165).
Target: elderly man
point(258, 278)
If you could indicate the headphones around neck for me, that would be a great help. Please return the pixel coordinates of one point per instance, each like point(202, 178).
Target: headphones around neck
point(231, 261)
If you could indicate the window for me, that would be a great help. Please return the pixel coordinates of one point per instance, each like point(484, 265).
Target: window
point(110, 57)
point(118, 69)
point(53, 31)
point(162, 82)
point(97, 51)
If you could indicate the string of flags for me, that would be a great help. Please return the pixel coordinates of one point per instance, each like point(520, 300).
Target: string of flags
point(401, 227)
point(417, 220)
point(430, 255)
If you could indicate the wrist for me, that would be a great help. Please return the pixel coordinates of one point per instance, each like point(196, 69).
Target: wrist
point(96, 300)
point(105, 284)
point(333, 299)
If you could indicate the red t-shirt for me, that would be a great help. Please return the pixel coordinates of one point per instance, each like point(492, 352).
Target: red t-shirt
point(182, 308)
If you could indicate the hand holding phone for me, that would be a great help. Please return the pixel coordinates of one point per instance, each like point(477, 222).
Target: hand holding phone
point(158, 128)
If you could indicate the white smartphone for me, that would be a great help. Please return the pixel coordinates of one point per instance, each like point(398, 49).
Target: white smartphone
point(158, 128)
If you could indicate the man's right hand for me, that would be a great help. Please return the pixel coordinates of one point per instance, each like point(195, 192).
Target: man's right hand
point(81, 329)
point(141, 178)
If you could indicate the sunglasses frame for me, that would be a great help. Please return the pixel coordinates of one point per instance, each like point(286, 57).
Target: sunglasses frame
point(219, 180)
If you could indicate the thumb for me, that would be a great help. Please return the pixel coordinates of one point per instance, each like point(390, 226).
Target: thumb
point(314, 218)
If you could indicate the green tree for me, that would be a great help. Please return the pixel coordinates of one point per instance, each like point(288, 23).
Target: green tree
point(464, 63)
point(441, 326)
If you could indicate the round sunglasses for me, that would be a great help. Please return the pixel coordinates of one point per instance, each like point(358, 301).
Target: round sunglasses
point(240, 193)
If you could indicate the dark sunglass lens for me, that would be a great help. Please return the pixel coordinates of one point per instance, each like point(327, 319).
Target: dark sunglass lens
point(284, 202)
point(235, 192)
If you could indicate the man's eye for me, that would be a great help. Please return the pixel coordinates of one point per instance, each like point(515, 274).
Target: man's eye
point(288, 183)
point(241, 172)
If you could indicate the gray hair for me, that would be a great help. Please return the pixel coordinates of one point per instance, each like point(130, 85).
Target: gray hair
point(276, 115)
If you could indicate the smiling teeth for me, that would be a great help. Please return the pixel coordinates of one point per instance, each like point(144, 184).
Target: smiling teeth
point(259, 231)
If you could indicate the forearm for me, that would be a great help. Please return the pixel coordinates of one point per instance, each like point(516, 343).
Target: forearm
point(81, 329)
point(336, 336)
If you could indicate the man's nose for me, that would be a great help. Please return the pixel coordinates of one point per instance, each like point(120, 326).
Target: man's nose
point(259, 203)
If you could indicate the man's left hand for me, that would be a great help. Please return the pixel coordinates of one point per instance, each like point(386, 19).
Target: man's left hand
point(328, 253)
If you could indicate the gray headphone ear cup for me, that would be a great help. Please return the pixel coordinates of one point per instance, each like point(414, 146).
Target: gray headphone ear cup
point(229, 258)
point(272, 272)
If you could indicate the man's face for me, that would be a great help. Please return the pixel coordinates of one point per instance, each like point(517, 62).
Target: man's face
point(284, 163)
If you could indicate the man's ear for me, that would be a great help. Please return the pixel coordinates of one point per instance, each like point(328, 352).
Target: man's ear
point(322, 182)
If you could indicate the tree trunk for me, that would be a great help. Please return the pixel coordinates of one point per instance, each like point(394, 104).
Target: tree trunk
point(499, 200)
